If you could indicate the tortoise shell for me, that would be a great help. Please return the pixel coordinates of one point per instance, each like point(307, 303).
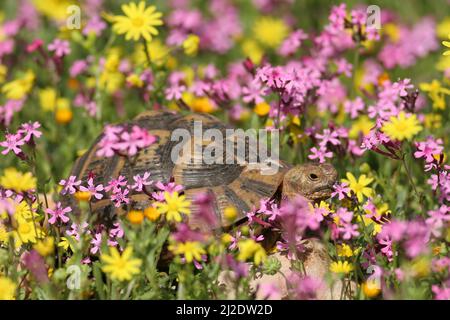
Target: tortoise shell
point(237, 185)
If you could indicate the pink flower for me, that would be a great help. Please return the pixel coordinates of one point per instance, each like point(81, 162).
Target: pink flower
point(354, 107)
point(58, 214)
point(175, 92)
point(120, 197)
point(344, 67)
point(296, 217)
point(116, 184)
point(292, 43)
point(96, 243)
point(117, 231)
point(184, 233)
point(35, 263)
point(269, 291)
point(205, 210)
point(320, 154)
point(417, 239)
point(8, 110)
point(78, 67)
point(6, 206)
point(253, 92)
point(438, 219)
point(199, 88)
point(30, 130)
point(358, 17)
point(441, 293)
point(141, 181)
point(387, 249)
point(337, 16)
point(234, 241)
point(35, 45)
point(274, 77)
point(427, 149)
point(94, 190)
point(108, 144)
point(341, 190)
point(170, 187)
point(349, 231)
point(77, 229)
point(139, 138)
point(12, 143)
point(304, 287)
point(116, 140)
point(95, 25)
point(394, 230)
point(344, 215)
point(60, 47)
point(269, 208)
point(69, 185)
point(240, 268)
point(328, 136)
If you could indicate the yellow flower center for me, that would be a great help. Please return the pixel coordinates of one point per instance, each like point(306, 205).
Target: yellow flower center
point(121, 263)
point(402, 126)
point(137, 22)
point(173, 206)
point(357, 187)
point(24, 228)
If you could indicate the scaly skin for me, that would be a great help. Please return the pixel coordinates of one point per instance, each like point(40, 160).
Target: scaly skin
point(312, 181)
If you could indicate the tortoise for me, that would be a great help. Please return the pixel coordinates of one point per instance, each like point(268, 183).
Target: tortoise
point(237, 185)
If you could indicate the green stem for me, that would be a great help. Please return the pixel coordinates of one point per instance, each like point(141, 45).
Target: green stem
point(147, 53)
point(411, 181)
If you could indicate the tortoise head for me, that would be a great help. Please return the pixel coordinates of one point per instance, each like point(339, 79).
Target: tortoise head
point(312, 181)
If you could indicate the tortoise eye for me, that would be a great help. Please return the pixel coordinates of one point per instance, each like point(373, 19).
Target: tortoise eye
point(313, 177)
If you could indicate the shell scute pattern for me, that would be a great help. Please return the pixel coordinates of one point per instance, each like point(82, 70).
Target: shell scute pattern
point(229, 184)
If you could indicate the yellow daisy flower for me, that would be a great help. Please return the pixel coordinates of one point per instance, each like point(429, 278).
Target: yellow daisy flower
point(362, 125)
point(262, 109)
point(190, 250)
point(402, 127)
point(17, 181)
point(158, 51)
point(65, 244)
point(152, 214)
point(249, 248)
point(4, 235)
point(139, 21)
point(45, 247)
point(359, 187)
point(252, 50)
point(344, 250)
point(47, 99)
point(18, 88)
point(7, 289)
point(447, 44)
point(120, 267)
point(191, 44)
point(23, 211)
point(26, 232)
point(436, 92)
point(341, 267)
point(270, 31)
point(174, 206)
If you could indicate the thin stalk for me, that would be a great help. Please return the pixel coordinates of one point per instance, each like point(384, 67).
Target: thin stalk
point(147, 53)
point(411, 181)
